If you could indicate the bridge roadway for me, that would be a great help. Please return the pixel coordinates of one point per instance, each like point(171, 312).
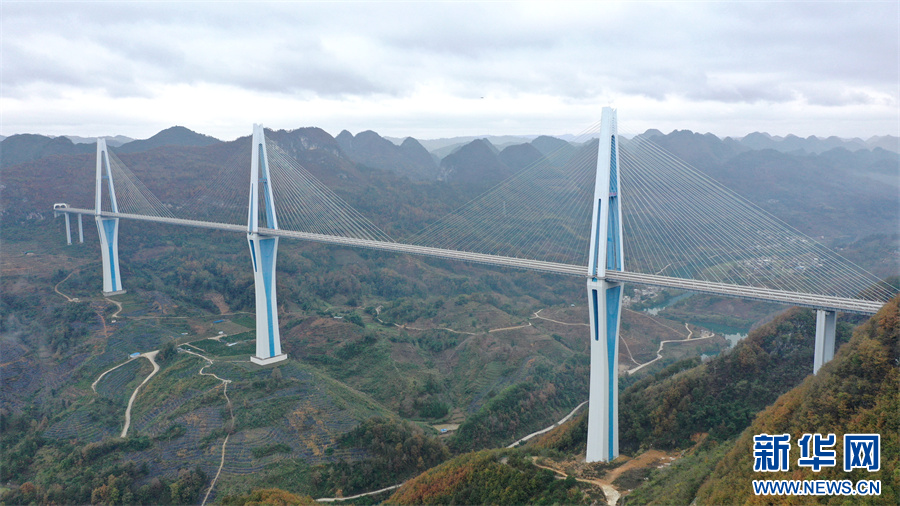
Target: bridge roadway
point(809, 300)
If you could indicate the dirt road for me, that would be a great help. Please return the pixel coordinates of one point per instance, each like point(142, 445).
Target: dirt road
point(151, 356)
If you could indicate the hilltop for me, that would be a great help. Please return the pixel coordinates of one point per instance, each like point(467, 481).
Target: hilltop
point(173, 136)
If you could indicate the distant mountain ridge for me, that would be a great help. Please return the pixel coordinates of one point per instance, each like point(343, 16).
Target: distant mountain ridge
point(22, 148)
point(794, 144)
point(476, 162)
point(815, 145)
point(433, 145)
point(842, 194)
point(173, 136)
point(409, 158)
point(111, 140)
point(520, 156)
point(853, 192)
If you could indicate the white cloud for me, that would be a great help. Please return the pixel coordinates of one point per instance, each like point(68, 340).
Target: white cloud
point(423, 68)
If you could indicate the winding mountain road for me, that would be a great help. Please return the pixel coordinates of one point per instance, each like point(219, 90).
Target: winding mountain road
point(56, 288)
point(225, 383)
point(151, 356)
point(548, 429)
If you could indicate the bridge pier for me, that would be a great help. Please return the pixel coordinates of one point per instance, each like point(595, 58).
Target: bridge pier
point(264, 251)
point(68, 229)
point(108, 228)
point(604, 306)
point(826, 324)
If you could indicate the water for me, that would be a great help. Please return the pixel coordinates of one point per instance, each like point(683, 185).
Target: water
point(734, 338)
point(732, 334)
point(656, 309)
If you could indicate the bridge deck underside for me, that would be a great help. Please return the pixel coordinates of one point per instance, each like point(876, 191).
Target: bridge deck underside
point(744, 292)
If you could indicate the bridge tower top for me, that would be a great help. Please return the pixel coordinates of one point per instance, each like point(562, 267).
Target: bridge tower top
point(260, 180)
point(606, 229)
point(104, 172)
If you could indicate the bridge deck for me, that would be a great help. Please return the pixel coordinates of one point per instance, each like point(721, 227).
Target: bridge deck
point(744, 292)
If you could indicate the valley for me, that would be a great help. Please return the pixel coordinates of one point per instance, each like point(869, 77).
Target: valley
point(382, 349)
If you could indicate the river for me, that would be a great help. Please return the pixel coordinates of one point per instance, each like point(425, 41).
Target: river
point(732, 334)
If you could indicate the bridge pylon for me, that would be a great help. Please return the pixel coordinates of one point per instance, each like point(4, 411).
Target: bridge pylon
point(107, 228)
point(826, 325)
point(263, 254)
point(605, 298)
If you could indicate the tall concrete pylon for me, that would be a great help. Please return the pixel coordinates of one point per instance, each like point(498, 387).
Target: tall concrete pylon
point(107, 228)
point(263, 254)
point(826, 325)
point(605, 298)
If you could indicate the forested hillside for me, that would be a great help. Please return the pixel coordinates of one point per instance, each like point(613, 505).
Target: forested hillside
point(493, 477)
point(720, 397)
point(854, 393)
point(385, 351)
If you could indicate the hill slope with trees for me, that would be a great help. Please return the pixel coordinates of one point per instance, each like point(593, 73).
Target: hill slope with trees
point(854, 393)
point(368, 334)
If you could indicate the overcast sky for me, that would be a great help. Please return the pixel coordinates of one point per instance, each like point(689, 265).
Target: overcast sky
point(445, 69)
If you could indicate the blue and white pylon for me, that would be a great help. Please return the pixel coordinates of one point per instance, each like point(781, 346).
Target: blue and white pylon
point(263, 253)
point(605, 298)
point(108, 228)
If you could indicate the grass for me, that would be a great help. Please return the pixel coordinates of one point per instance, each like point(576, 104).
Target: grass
point(246, 346)
point(244, 320)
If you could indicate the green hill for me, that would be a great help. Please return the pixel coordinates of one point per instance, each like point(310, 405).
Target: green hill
point(172, 136)
point(493, 477)
point(22, 148)
point(720, 397)
point(854, 393)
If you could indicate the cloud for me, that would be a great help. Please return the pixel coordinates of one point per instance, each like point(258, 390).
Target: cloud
point(391, 59)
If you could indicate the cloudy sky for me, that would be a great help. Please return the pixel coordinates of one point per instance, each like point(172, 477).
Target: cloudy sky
point(444, 69)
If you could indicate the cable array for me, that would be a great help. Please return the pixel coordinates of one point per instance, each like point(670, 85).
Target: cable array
point(223, 197)
point(680, 222)
point(132, 197)
point(542, 212)
point(304, 204)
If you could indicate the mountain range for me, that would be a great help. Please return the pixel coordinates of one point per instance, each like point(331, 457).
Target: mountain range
point(21, 148)
point(368, 145)
point(836, 190)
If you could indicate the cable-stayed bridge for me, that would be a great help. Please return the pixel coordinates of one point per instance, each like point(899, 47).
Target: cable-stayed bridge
point(846, 305)
point(609, 209)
